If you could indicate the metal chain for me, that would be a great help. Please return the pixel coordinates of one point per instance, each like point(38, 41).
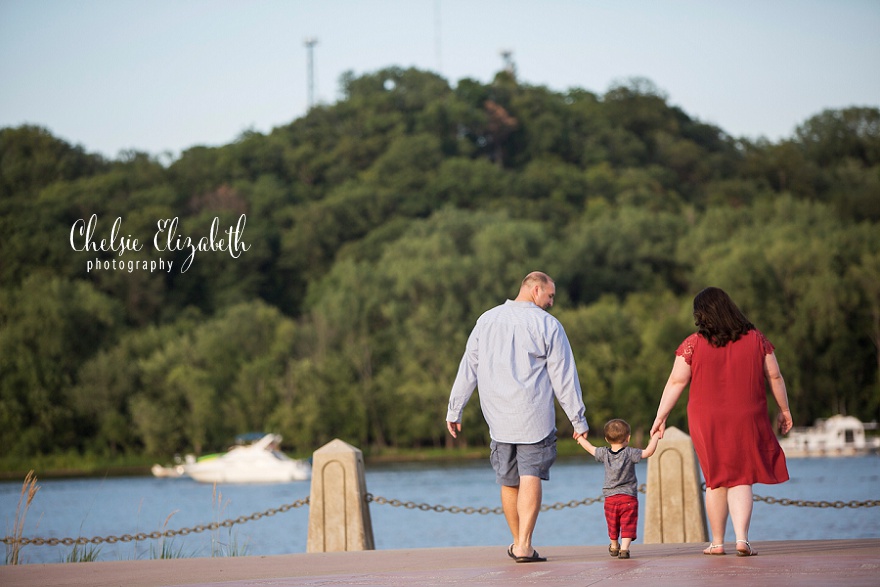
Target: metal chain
point(426, 507)
point(140, 536)
point(806, 503)
point(410, 505)
point(819, 504)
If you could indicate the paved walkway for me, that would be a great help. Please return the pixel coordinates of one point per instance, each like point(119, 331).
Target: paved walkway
point(852, 563)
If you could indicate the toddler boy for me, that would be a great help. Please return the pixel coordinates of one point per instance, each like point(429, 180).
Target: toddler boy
point(621, 486)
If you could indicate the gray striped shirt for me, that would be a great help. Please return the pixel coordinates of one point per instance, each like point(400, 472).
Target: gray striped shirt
point(519, 355)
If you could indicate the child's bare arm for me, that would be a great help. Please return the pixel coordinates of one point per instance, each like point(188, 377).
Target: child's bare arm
point(652, 446)
point(582, 440)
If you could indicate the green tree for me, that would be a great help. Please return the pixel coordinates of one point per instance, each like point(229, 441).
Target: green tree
point(836, 135)
point(381, 226)
point(48, 328)
point(31, 158)
point(620, 250)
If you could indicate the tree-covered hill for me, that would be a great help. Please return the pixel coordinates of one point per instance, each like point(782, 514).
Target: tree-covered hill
point(375, 230)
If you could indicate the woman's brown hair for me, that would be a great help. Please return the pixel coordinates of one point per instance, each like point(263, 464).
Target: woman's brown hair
point(718, 319)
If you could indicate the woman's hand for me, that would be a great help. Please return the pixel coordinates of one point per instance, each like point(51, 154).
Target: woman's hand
point(659, 426)
point(784, 422)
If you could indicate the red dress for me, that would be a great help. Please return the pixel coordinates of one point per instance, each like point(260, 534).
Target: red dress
point(727, 412)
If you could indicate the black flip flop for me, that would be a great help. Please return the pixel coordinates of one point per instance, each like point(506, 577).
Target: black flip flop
point(535, 558)
point(510, 551)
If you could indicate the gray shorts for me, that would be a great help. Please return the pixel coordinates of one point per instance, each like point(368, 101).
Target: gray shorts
point(512, 461)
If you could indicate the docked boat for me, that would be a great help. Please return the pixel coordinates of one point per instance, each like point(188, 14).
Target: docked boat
point(837, 436)
point(167, 471)
point(172, 471)
point(259, 462)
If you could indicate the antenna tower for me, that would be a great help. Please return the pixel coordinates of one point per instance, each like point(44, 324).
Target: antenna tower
point(310, 43)
point(509, 65)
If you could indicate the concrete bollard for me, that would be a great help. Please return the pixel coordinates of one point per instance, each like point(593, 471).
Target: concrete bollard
point(339, 517)
point(674, 507)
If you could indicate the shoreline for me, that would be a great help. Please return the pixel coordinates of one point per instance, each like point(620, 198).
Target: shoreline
point(378, 458)
point(388, 458)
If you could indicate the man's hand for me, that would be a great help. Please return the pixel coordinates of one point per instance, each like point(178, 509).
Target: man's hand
point(454, 428)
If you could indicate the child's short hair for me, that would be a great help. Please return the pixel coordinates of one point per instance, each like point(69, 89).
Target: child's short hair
point(616, 430)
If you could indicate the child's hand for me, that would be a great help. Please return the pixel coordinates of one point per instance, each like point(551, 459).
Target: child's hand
point(586, 444)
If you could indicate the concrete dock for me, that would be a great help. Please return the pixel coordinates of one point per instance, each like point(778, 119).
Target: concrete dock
point(851, 563)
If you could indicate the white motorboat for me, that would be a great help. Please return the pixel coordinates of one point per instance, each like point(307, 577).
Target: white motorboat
point(170, 471)
point(837, 436)
point(260, 462)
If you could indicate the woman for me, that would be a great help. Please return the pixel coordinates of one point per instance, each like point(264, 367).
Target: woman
point(727, 362)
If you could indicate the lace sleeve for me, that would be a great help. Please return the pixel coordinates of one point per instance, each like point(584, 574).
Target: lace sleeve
point(766, 345)
point(686, 348)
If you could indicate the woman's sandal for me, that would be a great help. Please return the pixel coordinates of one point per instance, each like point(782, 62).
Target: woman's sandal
point(613, 551)
point(712, 547)
point(748, 552)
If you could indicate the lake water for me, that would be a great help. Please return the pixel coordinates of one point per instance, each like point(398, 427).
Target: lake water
point(129, 505)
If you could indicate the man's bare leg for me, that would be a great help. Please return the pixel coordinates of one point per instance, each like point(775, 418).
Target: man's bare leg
point(523, 504)
point(509, 497)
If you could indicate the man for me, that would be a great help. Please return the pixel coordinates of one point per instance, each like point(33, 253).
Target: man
point(520, 357)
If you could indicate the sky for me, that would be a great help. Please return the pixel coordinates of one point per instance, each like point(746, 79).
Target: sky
point(161, 76)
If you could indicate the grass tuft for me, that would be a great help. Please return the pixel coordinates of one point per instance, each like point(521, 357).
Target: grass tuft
point(28, 491)
point(166, 548)
point(82, 554)
point(231, 547)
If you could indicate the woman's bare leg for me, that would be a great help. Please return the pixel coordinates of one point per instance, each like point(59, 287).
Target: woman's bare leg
point(740, 501)
point(717, 510)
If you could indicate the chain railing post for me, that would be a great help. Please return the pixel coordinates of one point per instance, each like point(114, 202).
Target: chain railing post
point(674, 509)
point(339, 516)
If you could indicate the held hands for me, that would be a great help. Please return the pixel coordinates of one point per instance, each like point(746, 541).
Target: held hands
point(659, 427)
point(585, 444)
point(784, 422)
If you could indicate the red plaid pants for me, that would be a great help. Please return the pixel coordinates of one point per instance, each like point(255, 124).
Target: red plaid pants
point(622, 515)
